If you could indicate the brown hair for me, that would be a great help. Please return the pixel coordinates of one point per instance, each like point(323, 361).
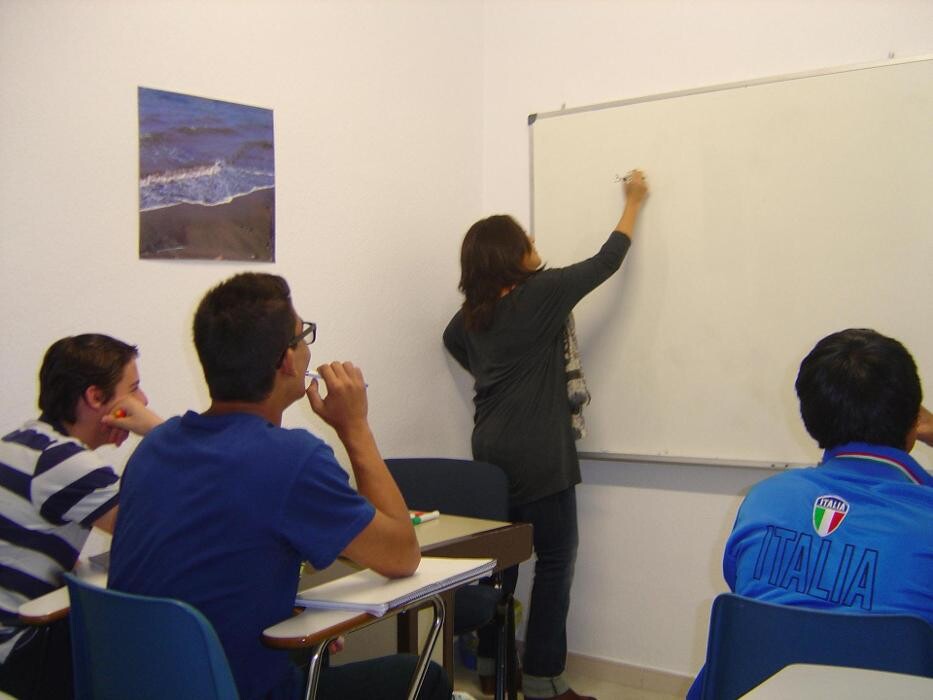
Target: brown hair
point(491, 259)
point(73, 364)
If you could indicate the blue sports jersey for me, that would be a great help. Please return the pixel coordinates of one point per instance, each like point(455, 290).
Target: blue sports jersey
point(854, 534)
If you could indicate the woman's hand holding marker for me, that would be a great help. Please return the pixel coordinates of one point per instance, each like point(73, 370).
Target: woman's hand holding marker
point(636, 192)
point(635, 186)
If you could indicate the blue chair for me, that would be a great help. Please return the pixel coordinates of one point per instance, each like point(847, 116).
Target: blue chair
point(750, 641)
point(131, 646)
point(476, 490)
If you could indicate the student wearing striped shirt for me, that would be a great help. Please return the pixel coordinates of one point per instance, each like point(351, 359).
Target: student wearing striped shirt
point(54, 488)
point(852, 534)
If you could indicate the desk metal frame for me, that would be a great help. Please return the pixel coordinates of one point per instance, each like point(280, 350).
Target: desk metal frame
point(449, 536)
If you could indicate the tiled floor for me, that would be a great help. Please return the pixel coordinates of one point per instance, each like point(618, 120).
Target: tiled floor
point(466, 680)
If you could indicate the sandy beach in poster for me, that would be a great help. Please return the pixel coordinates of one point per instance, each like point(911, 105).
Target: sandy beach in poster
point(243, 229)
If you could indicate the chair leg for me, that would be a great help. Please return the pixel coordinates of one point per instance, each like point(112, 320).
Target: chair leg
point(505, 646)
point(512, 663)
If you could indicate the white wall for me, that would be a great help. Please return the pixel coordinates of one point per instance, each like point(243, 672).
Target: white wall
point(651, 536)
point(378, 123)
point(397, 123)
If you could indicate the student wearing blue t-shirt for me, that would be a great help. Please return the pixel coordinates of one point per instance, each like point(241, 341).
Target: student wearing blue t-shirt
point(853, 534)
point(220, 508)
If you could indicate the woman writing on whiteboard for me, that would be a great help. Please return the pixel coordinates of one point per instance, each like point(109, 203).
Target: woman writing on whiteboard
point(514, 334)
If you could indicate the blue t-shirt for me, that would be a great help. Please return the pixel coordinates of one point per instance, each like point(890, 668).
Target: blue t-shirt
point(219, 511)
point(854, 534)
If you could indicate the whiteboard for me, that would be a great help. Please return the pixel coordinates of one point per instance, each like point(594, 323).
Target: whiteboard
point(781, 210)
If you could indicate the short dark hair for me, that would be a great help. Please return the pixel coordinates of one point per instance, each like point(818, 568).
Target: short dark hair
point(73, 364)
point(859, 386)
point(491, 259)
point(242, 328)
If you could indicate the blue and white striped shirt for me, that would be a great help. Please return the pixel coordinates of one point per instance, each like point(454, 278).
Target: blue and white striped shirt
point(52, 490)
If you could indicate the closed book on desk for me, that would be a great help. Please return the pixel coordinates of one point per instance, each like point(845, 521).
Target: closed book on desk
point(375, 594)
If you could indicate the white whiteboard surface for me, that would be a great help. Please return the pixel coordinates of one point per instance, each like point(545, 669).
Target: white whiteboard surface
point(780, 211)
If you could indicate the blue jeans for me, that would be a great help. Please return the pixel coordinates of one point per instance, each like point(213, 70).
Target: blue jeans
point(554, 519)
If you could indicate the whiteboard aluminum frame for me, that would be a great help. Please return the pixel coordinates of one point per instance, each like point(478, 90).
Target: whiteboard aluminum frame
point(563, 111)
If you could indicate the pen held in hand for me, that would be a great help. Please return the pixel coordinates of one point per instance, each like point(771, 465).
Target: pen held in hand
point(315, 375)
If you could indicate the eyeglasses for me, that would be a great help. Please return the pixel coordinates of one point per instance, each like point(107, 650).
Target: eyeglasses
point(308, 334)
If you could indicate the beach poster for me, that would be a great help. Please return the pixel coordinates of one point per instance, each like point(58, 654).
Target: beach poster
point(206, 179)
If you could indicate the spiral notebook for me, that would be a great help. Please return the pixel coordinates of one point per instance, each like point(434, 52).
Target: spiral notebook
point(367, 591)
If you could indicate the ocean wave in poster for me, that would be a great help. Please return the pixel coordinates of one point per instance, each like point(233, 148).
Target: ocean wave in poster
point(217, 183)
point(200, 151)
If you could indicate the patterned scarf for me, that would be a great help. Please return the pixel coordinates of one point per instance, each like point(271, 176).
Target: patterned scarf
point(577, 392)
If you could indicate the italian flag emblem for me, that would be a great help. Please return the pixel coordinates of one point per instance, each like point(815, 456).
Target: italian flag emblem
point(828, 514)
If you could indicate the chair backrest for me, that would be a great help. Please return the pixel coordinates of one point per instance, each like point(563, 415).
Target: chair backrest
point(131, 646)
point(454, 486)
point(750, 640)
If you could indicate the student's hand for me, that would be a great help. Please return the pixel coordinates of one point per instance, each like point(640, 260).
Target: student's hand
point(345, 407)
point(129, 415)
point(115, 436)
point(925, 426)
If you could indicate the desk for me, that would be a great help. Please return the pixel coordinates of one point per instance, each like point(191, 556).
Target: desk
point(453, 536)
point(448, 536)
point(54, 605)
point(813, 682)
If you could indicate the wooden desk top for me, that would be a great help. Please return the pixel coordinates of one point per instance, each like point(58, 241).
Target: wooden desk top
point(457, 536)
point(448, 536)
point(53, 606)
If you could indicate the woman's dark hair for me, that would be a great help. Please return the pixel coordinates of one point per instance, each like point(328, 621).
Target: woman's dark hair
point(859, 386)
point(242, 328)
point(73, 364)
point(491, 259)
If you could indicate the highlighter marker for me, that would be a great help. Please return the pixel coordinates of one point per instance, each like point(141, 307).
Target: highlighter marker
point(418, 517)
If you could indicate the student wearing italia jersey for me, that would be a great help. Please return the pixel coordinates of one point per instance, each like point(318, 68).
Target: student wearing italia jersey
point(853, 534)
point(54, 488)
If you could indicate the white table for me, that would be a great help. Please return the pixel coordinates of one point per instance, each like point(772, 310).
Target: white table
point(55, 605)
point(813, 682)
